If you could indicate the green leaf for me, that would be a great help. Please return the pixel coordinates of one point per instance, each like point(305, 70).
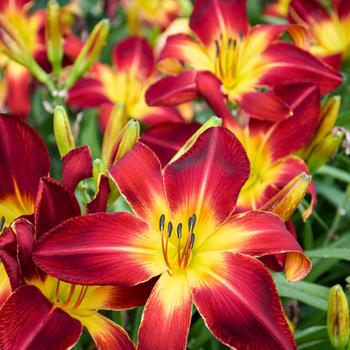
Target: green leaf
point(306, 292)
point(338, 174)
point(337, 253)
point(311, 333)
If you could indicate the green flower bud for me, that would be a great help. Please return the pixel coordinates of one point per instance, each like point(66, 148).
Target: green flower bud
point(62, 130)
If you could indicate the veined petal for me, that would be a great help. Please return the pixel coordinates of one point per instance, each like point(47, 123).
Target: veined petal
point(171, 91)
point(100, 248)
point(307, 11)
point(166, 139)
point(206, 180)
point(304, 100)
point(21, 167)
point(87, 92)
point(77, 166)
point(134, 54)
point(210, 18)
point(265, 105)
point(209, 86)
point(106, 334)
point(139, 179)
point(239, 302)
point(30, 321)
point(258, 233)
point(184, 49)
point(152, 116)
point(285, 61)
point(18, 83)
point(54, 204)
point(5, 287)
point(167, 314)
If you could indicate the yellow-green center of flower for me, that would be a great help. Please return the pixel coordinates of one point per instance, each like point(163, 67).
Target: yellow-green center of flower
point(184, 244)
point(226, 59)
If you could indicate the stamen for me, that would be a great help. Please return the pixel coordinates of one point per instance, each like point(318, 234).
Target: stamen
point(71, 292)
point(217, 48)
point(240, 35)
point(80, 297)
point(57, 290)
point(192, 222)
point(188, 253)
point(235, 44)
point(179, 231)
point(192, 241)
point(161, 222)
point(170, 228)
point(2, 223)
point(229, 43)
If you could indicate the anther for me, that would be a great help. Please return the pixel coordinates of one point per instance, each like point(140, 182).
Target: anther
point(217, 48)
point(229, 43)
point(221, 37)
point(240, 35)
point(170, 228)
point(179, 231)
point(2, 223)
point(234, 44)
point(192, 222)
point(161, 222)
point(192, 241)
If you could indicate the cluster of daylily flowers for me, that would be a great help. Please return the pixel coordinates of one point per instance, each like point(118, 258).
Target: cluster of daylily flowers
point(211, 128)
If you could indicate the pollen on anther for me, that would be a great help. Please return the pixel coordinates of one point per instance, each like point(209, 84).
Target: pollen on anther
point(170, 228)
point(179, 230)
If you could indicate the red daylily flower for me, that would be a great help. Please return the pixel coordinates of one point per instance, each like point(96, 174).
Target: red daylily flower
point(248, 62)
point(123, 85)
point(278, 8)
point(28, 27)
point(270, 146)
point(44, 312)
point(184, 230)
point(329, 31)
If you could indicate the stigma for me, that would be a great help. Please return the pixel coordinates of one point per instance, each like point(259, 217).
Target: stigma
point(183, 239)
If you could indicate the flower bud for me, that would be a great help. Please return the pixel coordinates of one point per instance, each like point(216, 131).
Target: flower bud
point(285, 202)
point(211, 123)
point(325, 149)
point(338, 317)
point(54, 41)
point(89, 52)
point(62, 130)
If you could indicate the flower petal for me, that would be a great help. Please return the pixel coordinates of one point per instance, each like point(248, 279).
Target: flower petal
point(206, 180)
point(209, 86)
point(77, 166)
point(139, 179)
point(100, 248)
point(18, 83)
point(309, 11)
point(30, 321)
point(134, 54)
point(166, 139)
point(285, 61)
point(265, 105)
point(171, 91)
point(106, 334)
point(167, 315)
point(87, 92)
point(184, 49)
point(259, 234)
point(54, 204)
point(210, 18)
point(5, 287)
point(21, 167)
point(239, 302)
point(100, 201)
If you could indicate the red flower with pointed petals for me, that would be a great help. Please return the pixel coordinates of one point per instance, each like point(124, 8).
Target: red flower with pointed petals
point(329, 31)
point(246, 60)
point(184, 230)
point(57, 310)
point(124, 84)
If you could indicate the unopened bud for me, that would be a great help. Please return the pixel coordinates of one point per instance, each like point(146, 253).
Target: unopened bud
point(211, 123)
point(285, 202)
point(325, 149)
point(338, 317)
point(54, 41)
point(89, 52)
point(62, 130)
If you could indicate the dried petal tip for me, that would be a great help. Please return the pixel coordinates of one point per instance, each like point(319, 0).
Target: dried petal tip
point(338, 317)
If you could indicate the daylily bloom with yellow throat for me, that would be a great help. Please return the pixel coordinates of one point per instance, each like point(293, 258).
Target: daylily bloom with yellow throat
point(123, 85)
point(43, 312)
point(184, 230)
point(248, 61)
point(330, 38)
point(28, 29)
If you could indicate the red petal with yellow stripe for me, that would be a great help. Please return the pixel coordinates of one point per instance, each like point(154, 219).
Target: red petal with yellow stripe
point(239, 302)
point(99, 248)
point(167, 315)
